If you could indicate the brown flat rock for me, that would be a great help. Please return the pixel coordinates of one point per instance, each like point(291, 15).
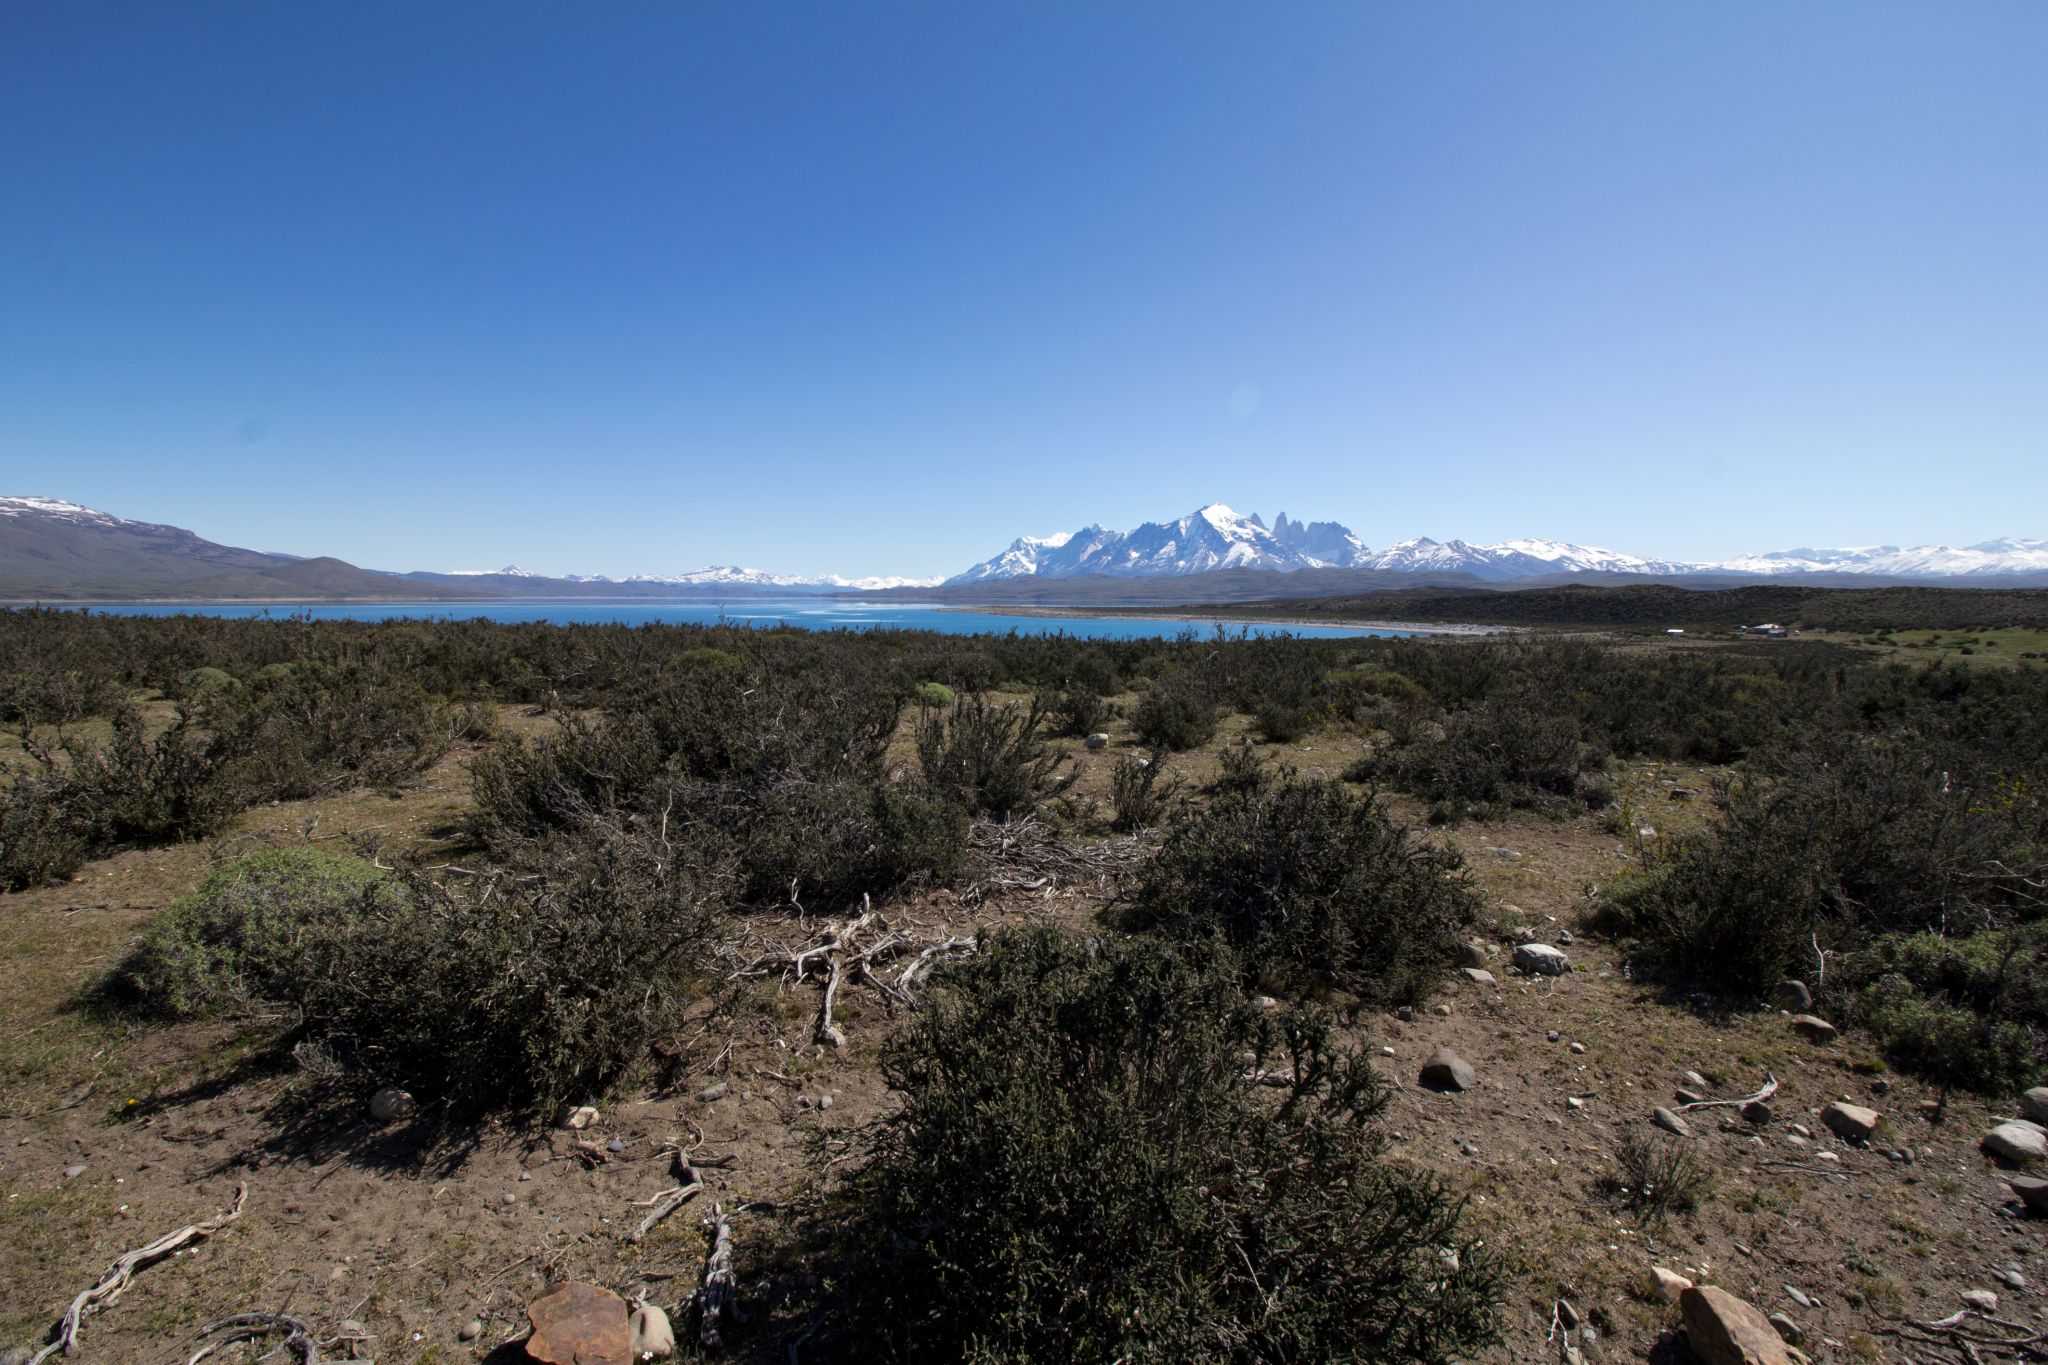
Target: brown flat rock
point(579, 1324)
point(1725, 1330)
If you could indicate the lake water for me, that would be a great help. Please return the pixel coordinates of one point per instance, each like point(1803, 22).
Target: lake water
point(808, 613)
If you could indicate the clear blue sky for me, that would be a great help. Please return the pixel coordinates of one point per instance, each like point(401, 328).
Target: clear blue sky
point(873, 288)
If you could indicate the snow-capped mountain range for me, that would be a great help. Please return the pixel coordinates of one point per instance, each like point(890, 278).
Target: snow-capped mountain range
point(1215, 537)
point(43, 533)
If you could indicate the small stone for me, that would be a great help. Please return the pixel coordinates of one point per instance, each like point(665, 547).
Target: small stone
point(1097, 741)
point(1757, 1112)
point(615, 1146)
point(1827, 1156)
point(2016, 1142)
point(1540, 959)
point(526, 1175)
point(1564, 936)
point(1446, 1070)
point(1444, 1010)
point(1670, 1284)
point(1850, 1122)
point(1794, 1140)
point(17, 1355)
point(1799, 1130)
point(653, 1338)
point(713, 1093)
point(1670, 1122)
point(1406, 1014)
point(2011, 1278)
point(1567, 1313)
point(1265, 1002)
point(1793, 996)
point(391, 1104)
point(1813, 1028)
point(471, 1330)
point(1880, 1086)
point(1471, 955)
point(73, 1172)
point(1685, 1096)
point(2034, 1104)
point(577, 1117)
point(1579, 1048)
point(1574, 1102)
point(824, 1101)
point(1551, 1036)
point(1798, 1297)
point(1787, 1329)
point(1692, 1080)
point(1386, 1052)
point(510, 1199)
point(1982, 1300)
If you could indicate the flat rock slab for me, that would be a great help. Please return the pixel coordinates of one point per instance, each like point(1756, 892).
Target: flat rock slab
point(1670, 1122)
point(1479, 976)
point(1725, 1330)
point(1850, 1122)
point(2033, 1192)
point(1541, 959)
point(580, 1324)
point(1446, 1070)
point(1813, 1028)
point(2018, 1141)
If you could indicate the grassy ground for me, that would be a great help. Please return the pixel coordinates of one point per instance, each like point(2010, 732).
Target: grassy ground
point(413, 1230)
point(1969, 648)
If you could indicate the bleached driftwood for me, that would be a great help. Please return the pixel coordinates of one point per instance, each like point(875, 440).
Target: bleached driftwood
point(855, 950)
point(718, 1300)
point(1770, 1088)
point(251, 1326)
point(109, 1286)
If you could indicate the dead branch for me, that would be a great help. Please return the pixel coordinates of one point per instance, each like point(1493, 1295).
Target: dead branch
point(1770, 1088)
point(251, 1326)
point(665, 1203)
point(719, 1298)
point(123, 1270)
point(1022, 855)
point(852, 952)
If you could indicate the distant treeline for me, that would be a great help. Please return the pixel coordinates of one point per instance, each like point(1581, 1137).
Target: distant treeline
point(1658, 605)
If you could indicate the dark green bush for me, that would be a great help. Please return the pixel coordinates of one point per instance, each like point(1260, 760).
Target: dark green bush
point(990, 757)
point(1140, 792)
point(248, 934)
point(1079, 1171)
point(1317, 887)
point(1969, 1012)
point(1175, 715)
point(519, 992)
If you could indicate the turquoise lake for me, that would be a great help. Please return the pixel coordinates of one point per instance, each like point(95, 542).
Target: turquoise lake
point(809, 614)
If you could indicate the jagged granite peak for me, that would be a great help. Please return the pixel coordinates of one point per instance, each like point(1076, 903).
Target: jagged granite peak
point(1216, 537)
point(1211, 537)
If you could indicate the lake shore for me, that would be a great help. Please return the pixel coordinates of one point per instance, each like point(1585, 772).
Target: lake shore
point(1191, 618)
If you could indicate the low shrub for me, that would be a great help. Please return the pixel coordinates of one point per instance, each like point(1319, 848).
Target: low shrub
point(518, 992)
point(1317, 887)
point(990, 757)
point(247, 934)
point(1969, 1012)
point(1078, 1171)
point(1658, 1176)
point(1140, 792)
point(1175, 715)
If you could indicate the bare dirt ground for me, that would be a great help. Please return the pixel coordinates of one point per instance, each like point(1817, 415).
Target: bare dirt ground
point(389, 1239)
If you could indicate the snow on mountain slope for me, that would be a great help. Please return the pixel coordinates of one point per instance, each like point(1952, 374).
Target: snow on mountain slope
point(58, 510)
point(2008, 555)
point(1215, 537)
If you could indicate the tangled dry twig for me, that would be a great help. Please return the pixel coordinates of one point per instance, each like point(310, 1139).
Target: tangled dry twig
point(1023, 855)
point(856, 949)
point(109, 1286)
